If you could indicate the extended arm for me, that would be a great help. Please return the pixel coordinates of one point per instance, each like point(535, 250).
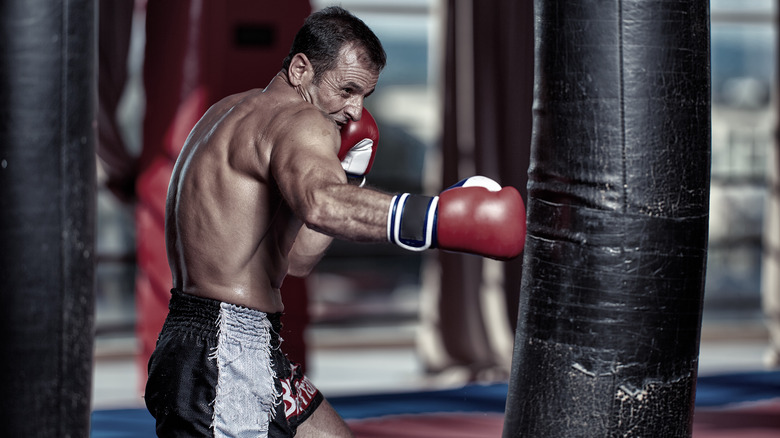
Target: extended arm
point(312, 181)
point(476, 216)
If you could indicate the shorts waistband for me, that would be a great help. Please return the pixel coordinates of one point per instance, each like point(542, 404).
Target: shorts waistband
point(202, 314)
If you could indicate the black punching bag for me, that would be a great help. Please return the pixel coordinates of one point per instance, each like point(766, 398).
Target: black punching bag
point(618, 197)
point(47, 208)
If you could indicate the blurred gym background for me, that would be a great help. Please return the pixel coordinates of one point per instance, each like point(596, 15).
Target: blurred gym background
point(372, 323)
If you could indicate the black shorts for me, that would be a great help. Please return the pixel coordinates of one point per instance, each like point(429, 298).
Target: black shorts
point(218, 370)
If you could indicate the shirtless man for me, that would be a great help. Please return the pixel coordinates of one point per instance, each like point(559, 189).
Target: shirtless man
point(258, 193)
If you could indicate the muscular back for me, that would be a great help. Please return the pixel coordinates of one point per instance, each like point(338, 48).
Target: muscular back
point(250, 162)
point(228, 230)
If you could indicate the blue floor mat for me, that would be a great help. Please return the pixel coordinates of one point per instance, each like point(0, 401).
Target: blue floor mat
point(724, 389)
point(711, 392)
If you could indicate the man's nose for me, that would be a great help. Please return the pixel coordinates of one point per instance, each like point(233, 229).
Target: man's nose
point(355, 109)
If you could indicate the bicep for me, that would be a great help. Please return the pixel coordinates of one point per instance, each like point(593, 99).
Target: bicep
point(304, 160)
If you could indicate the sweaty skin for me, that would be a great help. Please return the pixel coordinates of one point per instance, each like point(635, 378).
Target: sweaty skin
point(258, 191)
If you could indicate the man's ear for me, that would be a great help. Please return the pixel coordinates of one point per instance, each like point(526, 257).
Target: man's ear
point(300, 70)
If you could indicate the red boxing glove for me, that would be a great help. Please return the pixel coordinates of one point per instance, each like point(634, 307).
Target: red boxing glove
point(475, 216)
point(359, 140)
point(482, 219)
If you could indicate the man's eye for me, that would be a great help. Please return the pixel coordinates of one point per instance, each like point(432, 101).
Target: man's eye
point(347, 91)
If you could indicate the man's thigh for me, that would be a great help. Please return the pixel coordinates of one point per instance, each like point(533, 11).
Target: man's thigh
point(325, 422)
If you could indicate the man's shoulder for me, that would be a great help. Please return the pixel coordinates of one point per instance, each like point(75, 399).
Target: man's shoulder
point(304, 112)
point(302, 119)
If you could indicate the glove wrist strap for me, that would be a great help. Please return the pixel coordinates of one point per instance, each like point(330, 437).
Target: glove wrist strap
point(411, 221)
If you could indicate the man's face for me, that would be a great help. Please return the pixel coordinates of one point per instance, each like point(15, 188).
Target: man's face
point(340, 91)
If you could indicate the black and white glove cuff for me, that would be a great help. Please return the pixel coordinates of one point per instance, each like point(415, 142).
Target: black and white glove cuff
point(411, 221)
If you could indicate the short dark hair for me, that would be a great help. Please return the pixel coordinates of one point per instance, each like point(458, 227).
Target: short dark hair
point(325, 32)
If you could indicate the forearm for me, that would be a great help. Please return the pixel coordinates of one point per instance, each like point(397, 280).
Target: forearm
point(306, 252)
point(351, 213)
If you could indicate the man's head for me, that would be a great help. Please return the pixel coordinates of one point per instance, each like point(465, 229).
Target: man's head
point(326, 32)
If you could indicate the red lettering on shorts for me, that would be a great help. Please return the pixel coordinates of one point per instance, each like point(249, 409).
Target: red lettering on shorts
point(297, 393)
